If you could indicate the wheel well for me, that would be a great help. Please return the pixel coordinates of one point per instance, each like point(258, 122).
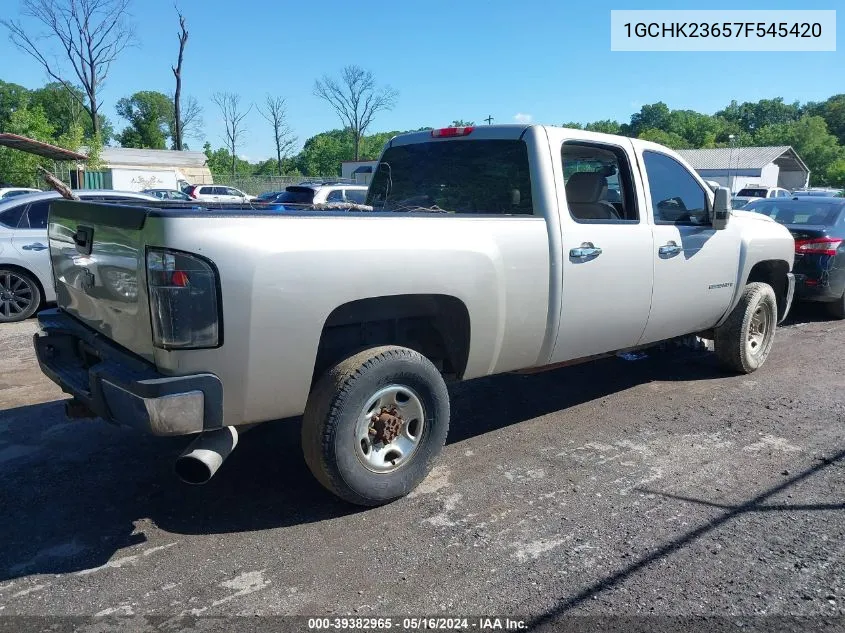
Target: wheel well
point(772, 272)
point(28, 272)
point(436, 326)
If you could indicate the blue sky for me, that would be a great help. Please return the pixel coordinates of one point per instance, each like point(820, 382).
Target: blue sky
point(549, 60)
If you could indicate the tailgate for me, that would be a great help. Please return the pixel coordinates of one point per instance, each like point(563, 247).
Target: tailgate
point(98, 259)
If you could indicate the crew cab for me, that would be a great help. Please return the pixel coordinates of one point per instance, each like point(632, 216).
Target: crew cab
point(486, 250)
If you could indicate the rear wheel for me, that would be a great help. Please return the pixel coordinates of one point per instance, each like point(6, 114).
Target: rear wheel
point(19, 295)
point(375, 423)
point(744, 341)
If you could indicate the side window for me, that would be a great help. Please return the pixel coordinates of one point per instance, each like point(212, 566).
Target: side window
point(36, 216)
point(335, 195)
point(676, 197)
point(598, 183)
point(229, 191)
point(356, 196)
point(12, 217)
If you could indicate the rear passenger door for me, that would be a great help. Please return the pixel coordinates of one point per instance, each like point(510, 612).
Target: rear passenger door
point(30, 239)
point(695, 266)
point(607, 246)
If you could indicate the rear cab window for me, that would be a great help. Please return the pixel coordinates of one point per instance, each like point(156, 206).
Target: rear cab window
point(480, 177)
point(598, 183)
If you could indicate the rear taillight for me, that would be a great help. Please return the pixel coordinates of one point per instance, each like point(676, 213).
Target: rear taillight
point(193, 192)
point(818, 246)
point(183, 300)
point(449, 132)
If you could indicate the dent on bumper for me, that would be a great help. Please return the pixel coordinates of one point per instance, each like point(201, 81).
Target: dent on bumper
point(122, 388)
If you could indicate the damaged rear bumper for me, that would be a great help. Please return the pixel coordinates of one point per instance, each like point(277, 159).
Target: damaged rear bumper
point(120, 387)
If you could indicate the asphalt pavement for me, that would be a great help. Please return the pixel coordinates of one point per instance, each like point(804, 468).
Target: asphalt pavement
point(659, 486)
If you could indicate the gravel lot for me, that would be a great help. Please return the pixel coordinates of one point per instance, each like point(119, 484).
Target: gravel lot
point(658, 486)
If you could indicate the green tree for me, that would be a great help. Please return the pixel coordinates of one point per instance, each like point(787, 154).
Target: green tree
point(17, 167)
point(669, 139)
point(651, 116)
point(12, 97)
point(150, 116)
point(606, 126)
point(833, 113)
point(322, 154)
point(461, 123)
point(573, 125)
point(752, 116)
point(836, 173)
point(809, 137)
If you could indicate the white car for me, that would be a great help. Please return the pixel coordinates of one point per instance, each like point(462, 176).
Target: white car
point(321, 192)
point(750, 193)
point(218, 193)
point(25, 278)
point(11, 192)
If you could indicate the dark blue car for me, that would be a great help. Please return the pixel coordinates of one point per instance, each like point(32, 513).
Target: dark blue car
point(818, 226)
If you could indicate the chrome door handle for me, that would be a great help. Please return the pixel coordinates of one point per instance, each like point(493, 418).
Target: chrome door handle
point(38, 246)
point(587, 250)
point(670, 248)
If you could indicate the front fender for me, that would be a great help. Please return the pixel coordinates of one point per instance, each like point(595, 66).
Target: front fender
point(767, 253)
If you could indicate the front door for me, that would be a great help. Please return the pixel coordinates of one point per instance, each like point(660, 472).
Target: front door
point(695, 266)
point(607, 245)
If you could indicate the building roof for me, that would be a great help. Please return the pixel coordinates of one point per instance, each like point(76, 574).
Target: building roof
point(39, 148)
point(116, 156)
point(743, 158)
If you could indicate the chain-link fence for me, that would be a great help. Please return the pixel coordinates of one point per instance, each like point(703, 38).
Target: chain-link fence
point(255, 185)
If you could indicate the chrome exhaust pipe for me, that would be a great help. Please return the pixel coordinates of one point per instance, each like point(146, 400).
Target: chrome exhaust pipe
point(205, 455)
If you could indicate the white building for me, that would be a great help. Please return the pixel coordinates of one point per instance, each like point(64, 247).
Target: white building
point(361, 171)
point(736, 167)
point(129, 169)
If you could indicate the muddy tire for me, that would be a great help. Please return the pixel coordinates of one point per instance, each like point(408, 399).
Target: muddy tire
point(375, 424)
point(20, 295)
point(744, 341)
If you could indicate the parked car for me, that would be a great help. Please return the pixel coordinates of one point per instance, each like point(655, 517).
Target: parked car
point(167, 194)
point(218, 193)
point(492, 249)
point(817, 192)
point(10, 192)
point(755, 192)
point(314, 193)
point(818, 225)
point(25, 278)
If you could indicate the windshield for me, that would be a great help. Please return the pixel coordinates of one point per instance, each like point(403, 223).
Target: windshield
point(752, 193)
point(482, 177)
point(798, 212)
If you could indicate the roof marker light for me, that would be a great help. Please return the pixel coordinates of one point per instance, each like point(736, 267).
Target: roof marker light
point(449, 132)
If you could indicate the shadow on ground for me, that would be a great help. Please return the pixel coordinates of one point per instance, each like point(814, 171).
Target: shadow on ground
point(74, 493)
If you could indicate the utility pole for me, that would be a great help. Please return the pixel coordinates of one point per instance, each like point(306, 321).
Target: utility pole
point(489, 119)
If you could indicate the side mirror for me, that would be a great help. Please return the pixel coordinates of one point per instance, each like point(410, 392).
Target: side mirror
point(721, 208)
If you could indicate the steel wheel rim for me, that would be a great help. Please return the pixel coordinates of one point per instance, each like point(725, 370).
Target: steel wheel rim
point(758, 331)
point(387, 404)
point(15, 294)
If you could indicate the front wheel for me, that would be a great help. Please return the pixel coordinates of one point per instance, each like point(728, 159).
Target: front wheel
point(375, 423)
point(744, 341)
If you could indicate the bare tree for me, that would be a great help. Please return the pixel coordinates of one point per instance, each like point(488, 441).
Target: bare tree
point(177, 72)
point(276, 115)
point(233, 117)
point(355, 99)
point(91, 34)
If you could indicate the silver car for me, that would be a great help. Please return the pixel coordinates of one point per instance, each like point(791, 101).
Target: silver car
point(25, 278)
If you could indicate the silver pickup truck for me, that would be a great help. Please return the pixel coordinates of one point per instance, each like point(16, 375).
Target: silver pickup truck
point(483, 250)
